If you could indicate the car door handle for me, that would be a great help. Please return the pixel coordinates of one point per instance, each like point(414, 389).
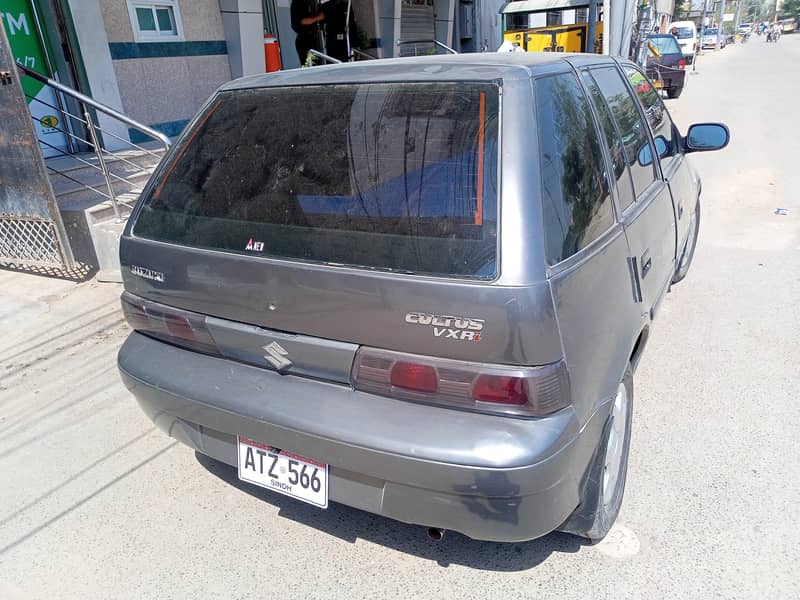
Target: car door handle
point(646, 263)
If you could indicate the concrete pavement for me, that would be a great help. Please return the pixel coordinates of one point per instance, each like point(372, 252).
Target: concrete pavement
point(95, 503)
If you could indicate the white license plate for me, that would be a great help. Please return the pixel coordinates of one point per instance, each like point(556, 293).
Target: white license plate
point(283, 472)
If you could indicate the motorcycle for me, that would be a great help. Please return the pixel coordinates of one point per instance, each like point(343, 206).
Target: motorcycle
point(773, 35)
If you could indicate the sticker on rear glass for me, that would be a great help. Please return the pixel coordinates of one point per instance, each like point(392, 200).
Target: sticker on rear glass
point(463, 329)
point(254, 246)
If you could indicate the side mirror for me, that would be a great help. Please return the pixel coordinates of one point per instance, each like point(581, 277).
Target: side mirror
point(703, 137)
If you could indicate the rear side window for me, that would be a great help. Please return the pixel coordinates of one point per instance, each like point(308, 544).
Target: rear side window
point(575, 197)
point(629, 122)
point(399, 177)
point(616, 149)
point(664, 132)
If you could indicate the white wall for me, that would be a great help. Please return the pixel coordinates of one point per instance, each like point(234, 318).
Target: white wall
point(91, 32)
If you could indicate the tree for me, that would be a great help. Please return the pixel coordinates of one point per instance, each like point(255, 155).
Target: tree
point(789, 9)
point(682, 8)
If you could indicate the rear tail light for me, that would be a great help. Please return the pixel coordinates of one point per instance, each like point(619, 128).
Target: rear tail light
point(500, 389)
point(174, 325)
point(681, 64)
point(517, 391)
point(410, 376)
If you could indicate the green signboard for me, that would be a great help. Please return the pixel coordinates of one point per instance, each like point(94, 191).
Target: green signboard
point(30, 50)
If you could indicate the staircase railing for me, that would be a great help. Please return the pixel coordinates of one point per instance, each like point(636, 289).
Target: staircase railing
point(94, 131)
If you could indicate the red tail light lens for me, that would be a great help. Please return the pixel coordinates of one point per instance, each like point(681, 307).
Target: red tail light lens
point(174, 325)
point(500, 389)
point(516, 391)
point(681, 64)
point(411, 376)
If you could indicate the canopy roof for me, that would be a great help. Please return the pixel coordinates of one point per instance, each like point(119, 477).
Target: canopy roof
point(527, 6)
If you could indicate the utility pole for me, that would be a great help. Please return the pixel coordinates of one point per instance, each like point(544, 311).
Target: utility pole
point(592, 26)
point(702, 34)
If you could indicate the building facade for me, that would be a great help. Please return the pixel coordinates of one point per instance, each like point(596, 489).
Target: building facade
point(157, 61)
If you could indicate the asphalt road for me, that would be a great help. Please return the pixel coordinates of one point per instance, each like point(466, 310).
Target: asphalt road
point(95, 503)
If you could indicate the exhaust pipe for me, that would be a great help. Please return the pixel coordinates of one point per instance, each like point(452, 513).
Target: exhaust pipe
point(435, 533)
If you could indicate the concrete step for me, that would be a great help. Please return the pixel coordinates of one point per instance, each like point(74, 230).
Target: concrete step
point(92, 224)
point(75, 161)
point(69, 174)
point(96, 209)
point(122, 183)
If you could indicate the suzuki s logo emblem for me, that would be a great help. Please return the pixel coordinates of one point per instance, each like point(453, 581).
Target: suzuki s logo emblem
point(276, 356)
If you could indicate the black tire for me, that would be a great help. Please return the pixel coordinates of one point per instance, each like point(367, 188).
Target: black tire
point(673, 93)
point(596, 514)
point(687, 256)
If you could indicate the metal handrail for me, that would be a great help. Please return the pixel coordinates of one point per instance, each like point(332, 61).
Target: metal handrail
point(165, 141)
point(92, 129)
point(435, 42)
point(324, 56)
point(122, 139)
point(82, 120)
point(364, 54)
point(56, 108)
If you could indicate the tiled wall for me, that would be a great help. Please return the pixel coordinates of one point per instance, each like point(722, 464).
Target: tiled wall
point(163, 84)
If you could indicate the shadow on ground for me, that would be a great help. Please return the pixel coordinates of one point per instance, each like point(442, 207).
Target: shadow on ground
point(80, 273)
point(350, 524)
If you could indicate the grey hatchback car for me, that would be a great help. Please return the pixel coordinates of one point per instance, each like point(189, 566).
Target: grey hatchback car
point(419, 287)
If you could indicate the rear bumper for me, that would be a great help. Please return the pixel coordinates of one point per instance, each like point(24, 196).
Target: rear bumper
point(491, 478)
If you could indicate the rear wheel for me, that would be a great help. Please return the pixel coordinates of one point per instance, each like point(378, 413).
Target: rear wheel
point(673, 93)
point(604, 483)
point(688, 250)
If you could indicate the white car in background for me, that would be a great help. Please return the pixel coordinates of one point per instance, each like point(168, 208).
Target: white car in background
point(687, 37)
point(712, 37)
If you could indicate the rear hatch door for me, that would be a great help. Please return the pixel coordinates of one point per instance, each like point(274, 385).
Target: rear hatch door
point(322, 218)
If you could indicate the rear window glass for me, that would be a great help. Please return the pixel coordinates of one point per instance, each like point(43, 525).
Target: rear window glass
point(685, 33)
point(666, 45)
point(388, 176)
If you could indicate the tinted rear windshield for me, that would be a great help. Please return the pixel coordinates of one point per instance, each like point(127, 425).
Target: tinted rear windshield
point(399, 177)
point(685, 33)
point(666, 45)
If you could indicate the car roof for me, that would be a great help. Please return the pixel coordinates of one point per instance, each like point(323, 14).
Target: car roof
point(481, 66)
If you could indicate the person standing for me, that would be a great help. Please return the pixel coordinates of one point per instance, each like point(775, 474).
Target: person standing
point(336, 29)
point(305, 23)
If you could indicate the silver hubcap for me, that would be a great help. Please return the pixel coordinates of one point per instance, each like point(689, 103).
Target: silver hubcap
point(616, 442)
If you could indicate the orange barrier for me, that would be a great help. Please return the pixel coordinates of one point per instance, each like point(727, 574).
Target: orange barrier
point(272, 53)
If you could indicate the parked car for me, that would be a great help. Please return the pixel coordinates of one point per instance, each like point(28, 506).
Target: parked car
point(340, 286)
point(713, 36)
point(687, 38)
point(665, 66)
point(788, 25)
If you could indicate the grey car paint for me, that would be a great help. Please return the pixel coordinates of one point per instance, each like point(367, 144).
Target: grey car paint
point(490, 477)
